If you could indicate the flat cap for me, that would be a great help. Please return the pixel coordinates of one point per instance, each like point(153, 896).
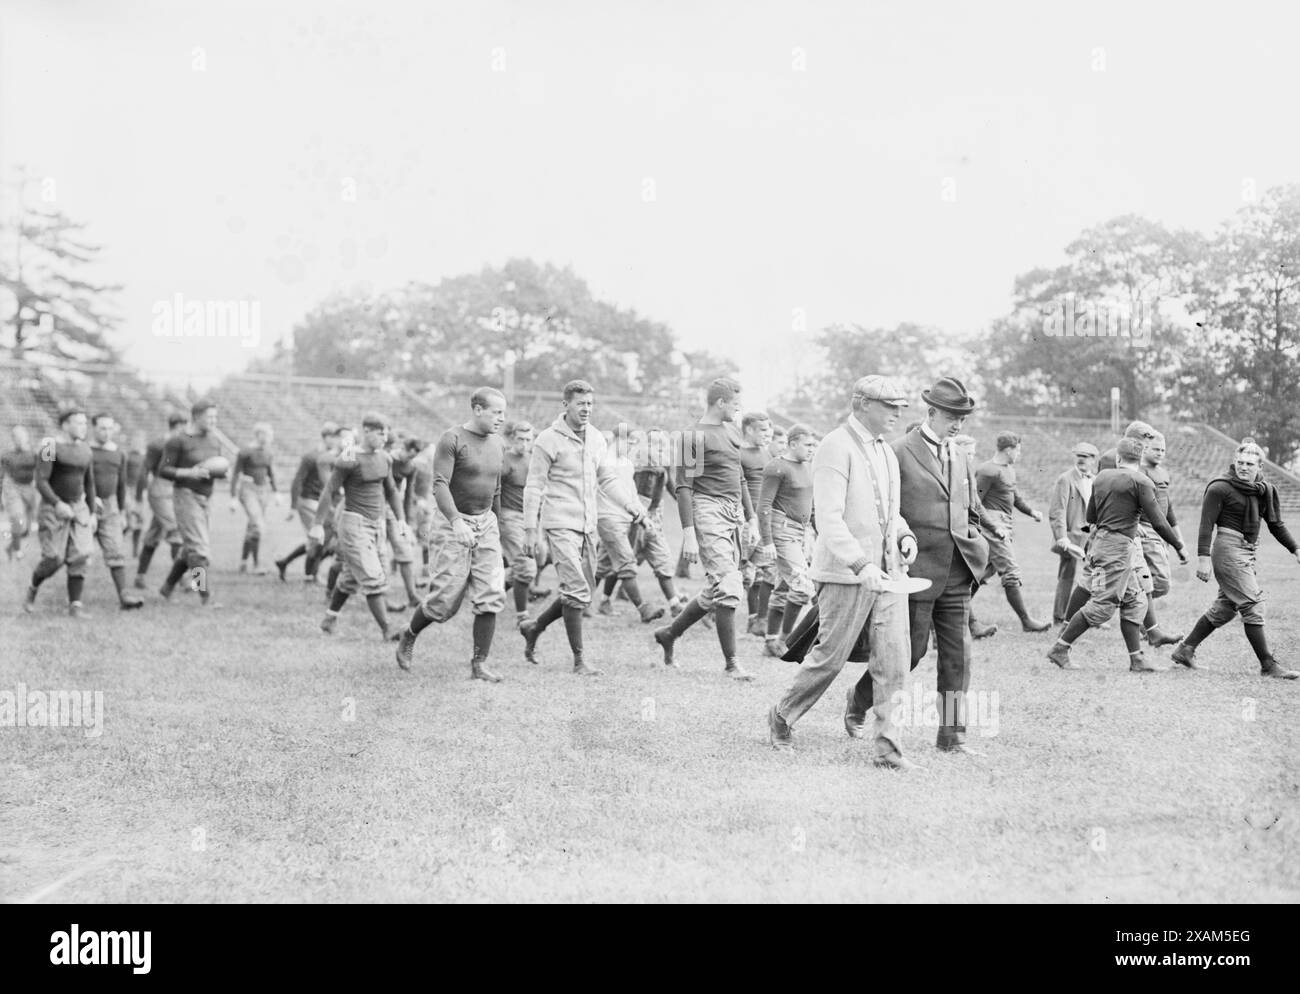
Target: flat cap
point(1085, 449)
point(885, 389)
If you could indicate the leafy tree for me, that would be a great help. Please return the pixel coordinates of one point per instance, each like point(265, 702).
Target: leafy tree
point(53, 309)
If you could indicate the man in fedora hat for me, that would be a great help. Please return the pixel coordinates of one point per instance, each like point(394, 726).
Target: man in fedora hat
point(861, 538)
point(941, 505)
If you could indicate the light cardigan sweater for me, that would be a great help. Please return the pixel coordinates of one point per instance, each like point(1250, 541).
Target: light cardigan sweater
point(565, 474)
point(848, 525)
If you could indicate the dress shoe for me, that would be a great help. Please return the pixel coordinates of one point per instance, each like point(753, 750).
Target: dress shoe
point(479, 671)
point(896, 761)
point(649, 614)
point(1156, 638)
point(854, 723)
point(737, 672)
point(1276, 670)
point(1060, 655)
point(778, 732)
point(1138, 664)
point(405, 652)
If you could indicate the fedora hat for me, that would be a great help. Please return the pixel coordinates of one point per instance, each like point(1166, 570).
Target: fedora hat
point(950, 395)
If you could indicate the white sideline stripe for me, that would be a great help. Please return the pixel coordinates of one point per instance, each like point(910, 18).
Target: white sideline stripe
point(67, 878)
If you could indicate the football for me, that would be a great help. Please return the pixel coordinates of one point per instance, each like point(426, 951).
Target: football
point(216, 465)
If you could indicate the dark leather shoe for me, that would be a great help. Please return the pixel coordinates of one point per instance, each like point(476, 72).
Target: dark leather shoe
point(737, 672)
point(896, 761)
point(479, 671)
point(757, 626)
point(1276, 670)
point(530, 633)
point(1185, 655)
point(778, 732)
point(1060, 655)
point(1034, 625)
point(854, 723)
point(405, 649)
point(962, 749)
point(649, 614)
point(1139, 664)
point(1156, 638)
point(664, 636)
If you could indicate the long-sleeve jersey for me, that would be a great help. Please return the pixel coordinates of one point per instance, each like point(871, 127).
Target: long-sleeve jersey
point(307, 483)
point(1160, 479)
point(109, 466)
point(366, 479)
point(709, 465)
point(18, 466)
point(1119, 497)
point(996, 484)
point(514, 477)
point(788, 488)
point(752, 463)
point(650, 482)
point(69, 476)
point(185, 451)
point(467, 472)
point(1225, 506)
point(255, 462)
point(150, 471)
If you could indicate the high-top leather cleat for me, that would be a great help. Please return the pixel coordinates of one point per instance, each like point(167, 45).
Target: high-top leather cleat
point(328, 623)
point(664, 636)
point(606, 607)
point(738, 672)
point(1272, 668)
point(775, 646)
point(1156, 638)
point(478, 671)
point(580, 667)
point(1185, 656)
point(1060, 655)
point(530, 633)
point(130, 601)
point(76, 610)
point(757, 626)
point(649, 614)
point(405, 652)
point(1139, 664)
point(981, 631)
point(896, 761)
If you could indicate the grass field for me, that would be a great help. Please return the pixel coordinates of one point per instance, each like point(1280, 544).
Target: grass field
point(244, 756)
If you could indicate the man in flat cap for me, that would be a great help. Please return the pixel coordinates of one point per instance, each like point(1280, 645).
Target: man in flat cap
point(940, 504)
point(1139, 430)
point(861, 539)
point(1067, 514)
point(1120, 497)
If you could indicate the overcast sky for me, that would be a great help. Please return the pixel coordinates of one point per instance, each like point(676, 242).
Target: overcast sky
point(715, 166)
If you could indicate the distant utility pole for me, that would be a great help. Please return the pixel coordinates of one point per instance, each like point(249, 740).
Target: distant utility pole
point(1114, 410)
point(509, 384)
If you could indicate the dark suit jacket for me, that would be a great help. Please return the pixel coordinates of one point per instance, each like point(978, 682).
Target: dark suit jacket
point(925, 500)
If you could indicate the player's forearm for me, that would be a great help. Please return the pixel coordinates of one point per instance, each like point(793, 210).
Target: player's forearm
point(1210, 509)
point(442, 497)
point(685, 505)
point(1282, 534)
point(1022, 507)
point(1152, 511)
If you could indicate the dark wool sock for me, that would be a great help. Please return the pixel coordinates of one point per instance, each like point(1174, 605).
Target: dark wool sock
point(299, 551)
point(1075, 627)
point(633, 591)
point(176, 572)
point(692, 613)
point(752, 594)
point(76, 584)
point(790, 617)
point(573, 627)
point(764, 596)
point(725, 618)
point(1255, 636)
point(484, 626)
point(176, 550)
point(551, 614)
point(1200, 632)
point(419, 620)
point(775, 620)
point(610, 582)
point(1150, 620)
point(146, 557)
point(521, 597)
point(377, 608)
point(45, 569)
point(1132, 633)
point(1078, 597)
point(255, 547)
point(118, 573)
point(337, 600)
point(668, 588)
